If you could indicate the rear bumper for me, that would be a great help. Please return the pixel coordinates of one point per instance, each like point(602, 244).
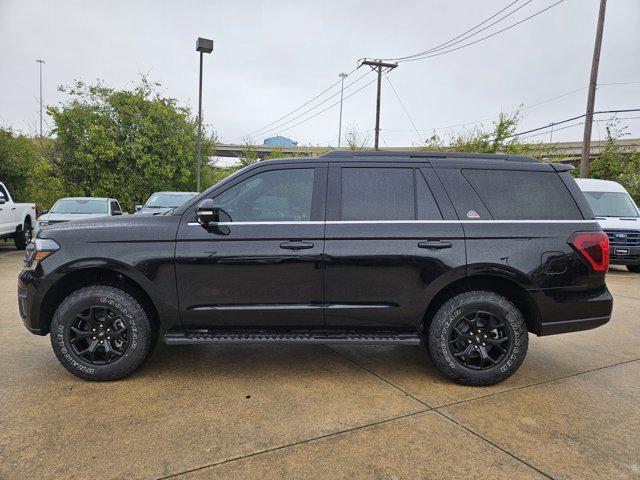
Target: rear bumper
point(564, 310)
point(566, 326)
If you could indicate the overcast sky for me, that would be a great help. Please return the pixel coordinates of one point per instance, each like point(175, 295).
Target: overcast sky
point(272, 56)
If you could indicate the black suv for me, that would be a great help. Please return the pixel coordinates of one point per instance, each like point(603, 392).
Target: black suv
point(466, 253)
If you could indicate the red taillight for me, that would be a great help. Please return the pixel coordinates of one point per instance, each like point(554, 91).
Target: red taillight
point(594, 247)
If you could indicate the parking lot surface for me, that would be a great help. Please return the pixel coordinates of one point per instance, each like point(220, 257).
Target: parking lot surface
point(571, 411)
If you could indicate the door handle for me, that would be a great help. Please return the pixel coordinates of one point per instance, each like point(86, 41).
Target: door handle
point(296, 245)
point(434, 244)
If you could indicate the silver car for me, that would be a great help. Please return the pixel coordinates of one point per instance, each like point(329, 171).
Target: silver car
point(162, 202)
point(78, 208)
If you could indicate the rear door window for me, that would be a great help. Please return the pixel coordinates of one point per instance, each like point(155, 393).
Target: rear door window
point(378, 194)
point(523, 195)
point(425, 202)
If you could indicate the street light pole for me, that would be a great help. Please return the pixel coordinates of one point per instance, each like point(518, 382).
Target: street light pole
point(40, 62)
point(203, 45)
point(342, 77)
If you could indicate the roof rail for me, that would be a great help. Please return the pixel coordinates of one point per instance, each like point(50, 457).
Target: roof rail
point(338, 154)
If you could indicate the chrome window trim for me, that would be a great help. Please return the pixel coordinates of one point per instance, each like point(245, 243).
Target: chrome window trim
point(382, 222)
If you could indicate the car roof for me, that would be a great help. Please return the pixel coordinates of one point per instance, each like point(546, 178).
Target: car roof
point(400, 155)
point(596, 185)
point(175, 193)
point(104, 199)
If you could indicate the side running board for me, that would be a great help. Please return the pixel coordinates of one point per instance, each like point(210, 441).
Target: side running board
point(192, 337)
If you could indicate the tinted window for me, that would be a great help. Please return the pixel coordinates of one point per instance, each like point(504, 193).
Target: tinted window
point(277, 195)
point(115, 207)
point(427, 206)
point(378, 194)
point(4, 193)
point(522, 195)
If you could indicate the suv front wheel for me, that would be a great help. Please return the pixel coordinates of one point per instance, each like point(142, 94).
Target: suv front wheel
point(101, 333)
point(478, 338)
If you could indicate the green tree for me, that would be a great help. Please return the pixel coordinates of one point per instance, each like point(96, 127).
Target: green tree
point(18, 158)
point(618, 163)
point(124, 143)
point(498, 139)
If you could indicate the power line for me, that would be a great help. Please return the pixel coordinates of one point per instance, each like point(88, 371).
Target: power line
point(268, 128)
point(485, 37)
point(284, 124)
point(577, 124)
point(296, 109)
point(453, 41)
point(524, 107)
point(571, 119)
point(331, 106)
point(403, 107)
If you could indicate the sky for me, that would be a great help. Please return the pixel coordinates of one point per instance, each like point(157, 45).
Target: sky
point(271, 57)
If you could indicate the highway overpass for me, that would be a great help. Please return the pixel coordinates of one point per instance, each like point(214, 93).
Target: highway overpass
point(562, 151)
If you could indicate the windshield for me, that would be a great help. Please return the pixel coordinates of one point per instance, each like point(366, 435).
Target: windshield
point(79, 206)
point(168, 200)
point(611, 204)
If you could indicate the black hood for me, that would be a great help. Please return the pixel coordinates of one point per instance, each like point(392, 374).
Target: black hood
point(125, 228)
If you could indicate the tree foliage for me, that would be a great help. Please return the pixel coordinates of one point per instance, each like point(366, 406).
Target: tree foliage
point(500, 138)
point(124, 143)
point(618, 163)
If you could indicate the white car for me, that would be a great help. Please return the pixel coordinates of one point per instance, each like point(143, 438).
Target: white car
point(618, 216)
point(78, 208)
point(16, 219)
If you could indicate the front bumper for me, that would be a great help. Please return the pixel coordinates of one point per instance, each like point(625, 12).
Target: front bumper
point(623, 255)
point(29, 302)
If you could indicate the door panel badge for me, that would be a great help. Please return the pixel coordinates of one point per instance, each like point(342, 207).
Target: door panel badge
point(472, 214)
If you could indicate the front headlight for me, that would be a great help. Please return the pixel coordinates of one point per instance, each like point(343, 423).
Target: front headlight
point(38, 250)
point(42, 224)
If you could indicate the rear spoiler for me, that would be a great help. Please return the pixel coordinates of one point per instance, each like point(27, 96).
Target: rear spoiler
point(561, 167)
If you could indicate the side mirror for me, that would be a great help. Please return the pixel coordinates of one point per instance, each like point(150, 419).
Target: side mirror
point(207, 213)
point(44, 211)
point(138, 208)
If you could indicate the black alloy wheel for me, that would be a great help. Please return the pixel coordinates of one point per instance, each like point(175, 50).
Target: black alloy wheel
point(99, 335)
point(480, 340)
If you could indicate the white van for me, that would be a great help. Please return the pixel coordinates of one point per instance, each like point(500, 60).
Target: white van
point(618, 216)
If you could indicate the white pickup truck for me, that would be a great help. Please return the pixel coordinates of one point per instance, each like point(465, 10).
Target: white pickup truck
point(16, 219)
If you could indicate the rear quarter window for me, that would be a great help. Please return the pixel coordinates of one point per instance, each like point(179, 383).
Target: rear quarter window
point(523, 195)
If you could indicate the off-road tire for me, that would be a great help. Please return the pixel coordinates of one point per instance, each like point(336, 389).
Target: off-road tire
point(23, 236)
point(120, 302)
point(446, 317)
point(633, 268)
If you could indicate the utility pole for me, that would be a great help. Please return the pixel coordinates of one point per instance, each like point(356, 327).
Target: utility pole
point(342, 77)
point(378, 65)
point(40, 62)
point(203, 45)
point(588, 121)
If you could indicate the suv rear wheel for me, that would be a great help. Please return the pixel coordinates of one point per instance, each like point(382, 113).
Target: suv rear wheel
point(478, 338)
point(101, 333)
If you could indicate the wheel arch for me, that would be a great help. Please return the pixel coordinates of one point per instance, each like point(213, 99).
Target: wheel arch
point(506, 287)
point(93, 275)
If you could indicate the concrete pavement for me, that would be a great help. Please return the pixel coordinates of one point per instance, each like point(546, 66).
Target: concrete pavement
point(572, 410)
